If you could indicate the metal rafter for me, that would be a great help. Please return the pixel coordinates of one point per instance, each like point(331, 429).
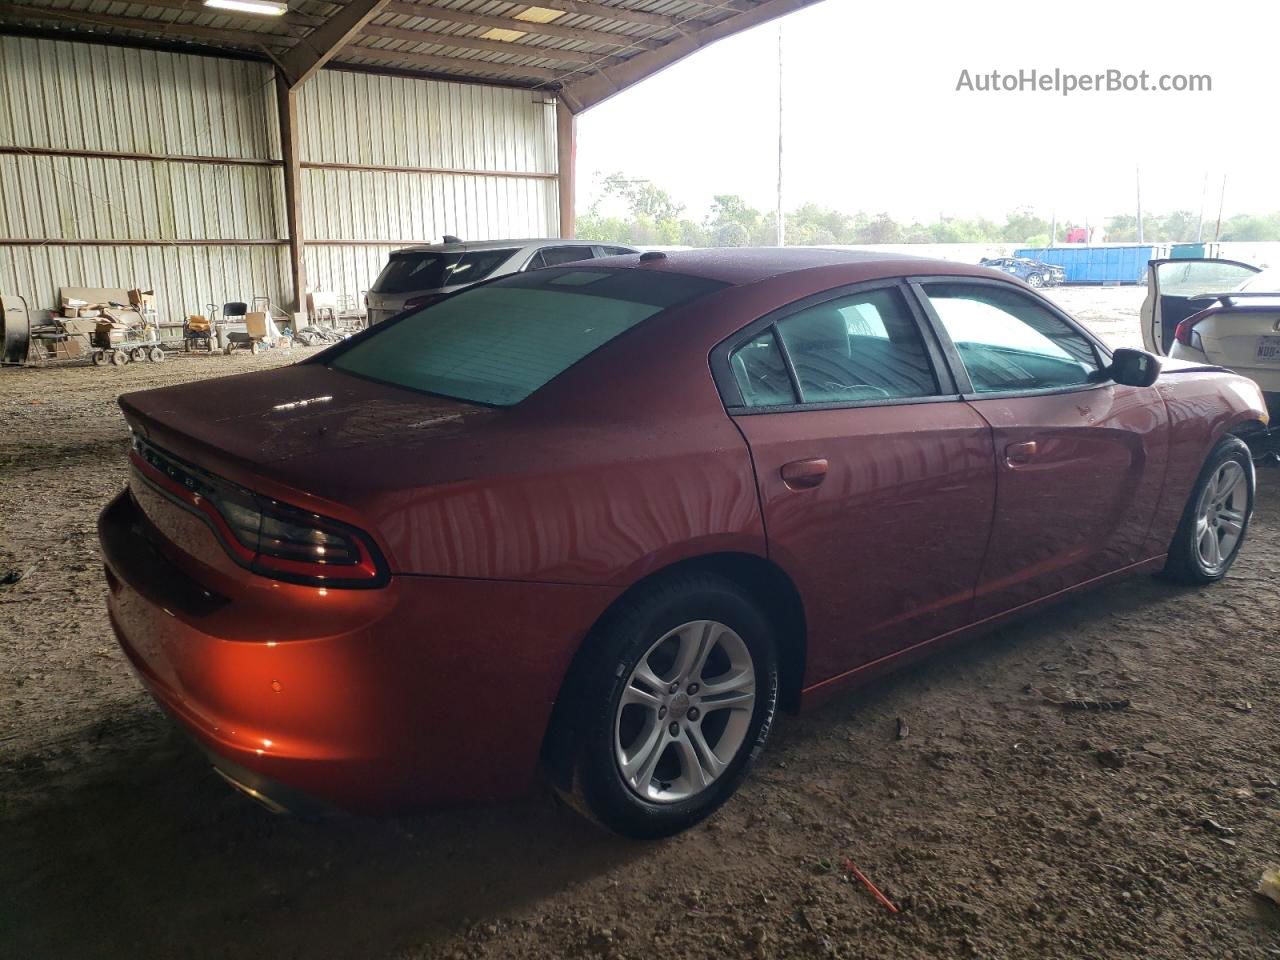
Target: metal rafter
point(429, 12)
point(317, 47)
point(512, 48)
point(442, 63)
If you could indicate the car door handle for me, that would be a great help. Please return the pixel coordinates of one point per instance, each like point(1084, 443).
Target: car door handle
point(803, 474)
point(1018, 453)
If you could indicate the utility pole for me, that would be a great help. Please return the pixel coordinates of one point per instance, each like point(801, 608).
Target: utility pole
point(782, 232)
point(1222, 198)
point(1138, 171)
point(1053, 229)
point(1204, 188)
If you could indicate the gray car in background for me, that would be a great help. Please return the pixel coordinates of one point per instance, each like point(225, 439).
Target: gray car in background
point(415, 276)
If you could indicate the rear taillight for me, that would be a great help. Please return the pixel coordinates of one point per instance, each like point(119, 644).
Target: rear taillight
point(264, 535)
point(1185, 332)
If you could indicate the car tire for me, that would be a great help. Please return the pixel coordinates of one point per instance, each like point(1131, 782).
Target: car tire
point(1215, 521)
point(1035, 279)
point(687, 756)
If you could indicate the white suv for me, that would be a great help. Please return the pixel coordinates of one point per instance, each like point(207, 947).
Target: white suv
point(415, 276)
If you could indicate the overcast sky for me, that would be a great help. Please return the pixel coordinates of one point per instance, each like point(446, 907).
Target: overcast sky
point(873, 120)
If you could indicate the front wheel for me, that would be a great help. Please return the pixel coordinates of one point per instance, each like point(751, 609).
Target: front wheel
point(665, 714)
point(1216, 517)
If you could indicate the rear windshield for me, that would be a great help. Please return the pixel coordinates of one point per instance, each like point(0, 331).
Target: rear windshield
point(417, 270)
point(498, 343)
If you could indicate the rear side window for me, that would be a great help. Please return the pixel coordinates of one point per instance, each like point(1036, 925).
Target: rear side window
point(430, 270)
point(761, 373)
point(861, 347)
point(499, 342)
point(1008, 342)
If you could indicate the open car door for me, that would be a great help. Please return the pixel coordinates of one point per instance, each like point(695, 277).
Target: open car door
point(1170, 286)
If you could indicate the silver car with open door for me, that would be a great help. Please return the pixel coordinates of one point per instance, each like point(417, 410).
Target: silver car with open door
point(1221, 312)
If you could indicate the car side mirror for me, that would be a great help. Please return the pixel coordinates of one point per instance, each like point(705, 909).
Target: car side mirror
point(1133, 368)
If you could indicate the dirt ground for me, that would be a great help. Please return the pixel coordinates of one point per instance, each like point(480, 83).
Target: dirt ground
point(1002, 825)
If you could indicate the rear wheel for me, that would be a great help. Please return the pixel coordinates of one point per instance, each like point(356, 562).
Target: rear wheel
point(1216, 517)
point(1036, 280)
point(665, 714)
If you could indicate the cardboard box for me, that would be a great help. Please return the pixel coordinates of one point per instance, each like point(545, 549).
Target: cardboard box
point(142, 299)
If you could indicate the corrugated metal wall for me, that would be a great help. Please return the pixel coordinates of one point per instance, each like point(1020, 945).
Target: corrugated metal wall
point(77, 97)
point(387, 161)
point(446, 153)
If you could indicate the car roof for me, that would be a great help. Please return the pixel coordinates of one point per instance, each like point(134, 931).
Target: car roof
point(468, 245)
point(737, 266)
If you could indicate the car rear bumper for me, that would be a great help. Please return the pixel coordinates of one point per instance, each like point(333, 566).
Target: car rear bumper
point(428, 691)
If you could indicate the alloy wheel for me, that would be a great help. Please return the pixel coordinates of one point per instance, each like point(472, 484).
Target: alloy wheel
point(685, 712)
point(1220, 516)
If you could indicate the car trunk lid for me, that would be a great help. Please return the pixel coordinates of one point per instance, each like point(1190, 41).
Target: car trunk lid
point(305, 435)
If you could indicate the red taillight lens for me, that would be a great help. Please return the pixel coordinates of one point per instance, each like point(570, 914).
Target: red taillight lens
point(1182, 333)
point(266, 536)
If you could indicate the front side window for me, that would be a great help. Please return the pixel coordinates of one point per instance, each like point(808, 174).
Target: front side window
point(497, 343)
point(865, 346)
point(1008, 342)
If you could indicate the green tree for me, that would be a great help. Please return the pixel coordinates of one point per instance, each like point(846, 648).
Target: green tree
point(1023, 223)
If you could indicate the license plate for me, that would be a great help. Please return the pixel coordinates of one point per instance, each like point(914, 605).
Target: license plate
point(1268, 349)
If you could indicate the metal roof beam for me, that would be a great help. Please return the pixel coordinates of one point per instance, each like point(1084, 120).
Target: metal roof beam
point(455, 63)
point(317, 47)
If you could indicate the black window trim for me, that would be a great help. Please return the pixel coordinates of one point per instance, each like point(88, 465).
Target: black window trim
point(956, 365)
point(731, 394)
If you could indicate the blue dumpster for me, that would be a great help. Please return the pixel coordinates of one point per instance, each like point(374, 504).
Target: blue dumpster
point(1119, 263)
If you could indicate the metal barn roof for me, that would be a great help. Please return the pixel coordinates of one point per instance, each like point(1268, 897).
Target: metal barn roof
point(583, 51)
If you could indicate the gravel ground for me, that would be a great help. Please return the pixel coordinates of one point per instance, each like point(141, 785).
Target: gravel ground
point(1001, 824)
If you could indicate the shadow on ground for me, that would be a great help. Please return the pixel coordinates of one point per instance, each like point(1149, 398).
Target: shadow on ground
point(149, 854)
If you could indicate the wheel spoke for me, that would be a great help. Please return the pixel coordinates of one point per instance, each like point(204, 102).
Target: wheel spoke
point(694, 771)
point(1232, 527)
point(1214, 556)
point(711, 764)
point(638, 768)
point(645, 675)
point(729, 689)
point(695, 644)
point(1235, 516)
point(640, 697)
